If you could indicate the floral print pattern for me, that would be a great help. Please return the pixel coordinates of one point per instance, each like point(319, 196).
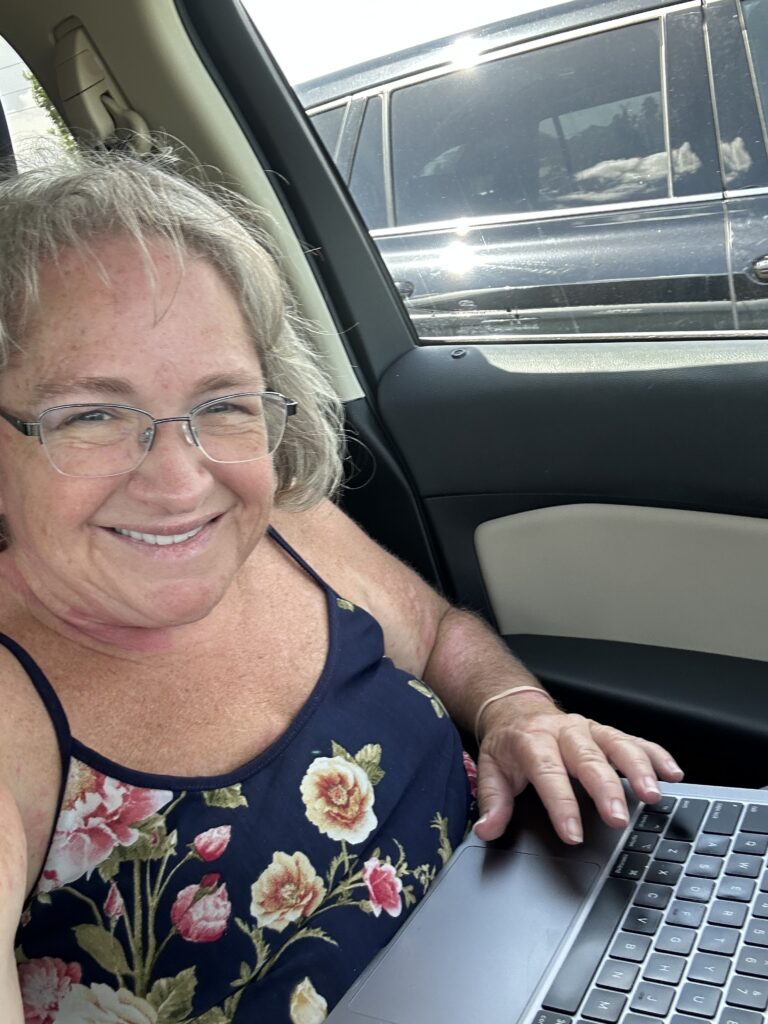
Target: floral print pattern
point(260, 896)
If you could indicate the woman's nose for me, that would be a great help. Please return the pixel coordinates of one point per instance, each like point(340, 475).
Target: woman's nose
point(175, 470)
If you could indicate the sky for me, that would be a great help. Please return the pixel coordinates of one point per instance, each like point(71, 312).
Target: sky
point(311, 39)
point(306, 39)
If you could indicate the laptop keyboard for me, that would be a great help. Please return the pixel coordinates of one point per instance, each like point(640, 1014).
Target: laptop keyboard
point(679, 931)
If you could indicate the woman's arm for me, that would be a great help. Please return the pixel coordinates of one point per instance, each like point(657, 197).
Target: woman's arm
point(13, 879)
point(524, 737)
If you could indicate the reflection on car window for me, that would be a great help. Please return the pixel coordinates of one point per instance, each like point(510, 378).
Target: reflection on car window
point(574, 124)
point(367, 181)
point(328, 126)
point(756, 19)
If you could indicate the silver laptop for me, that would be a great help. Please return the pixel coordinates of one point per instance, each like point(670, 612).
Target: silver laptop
point(666, 920)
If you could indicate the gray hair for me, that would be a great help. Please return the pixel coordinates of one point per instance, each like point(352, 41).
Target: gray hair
point(80, 199)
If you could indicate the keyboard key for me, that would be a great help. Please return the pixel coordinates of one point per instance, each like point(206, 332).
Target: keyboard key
point(704, 867)
point(701, 1000)
point(731, 1015)
point(713, 846)
point(647, 821)
point(679, 1018)
point(754, 961)
point(710, 968)
point(760, 908)
point(573, 978)
point(604, 1006)
point(675, 940)
point(618, 975)
point(630, 947)
point(750, 993)
point(756, 819)
point(688, 915)
point(630, 865)
point(665, 968)
point(641, 842)
point(719, 940)
point(723, 818)
point(697, 889)
point(675, 851)
point(663, 872)
point(736, 889)
point(757, 932)
point(642, 921)
point(545, 1017)
point(654, 1000)
point(744, 866)
point(663, 806)
point(733, 915)
point(764, 880)
point(636, 1018)
point(746, 843)
point(686, 819)
point(653, 896)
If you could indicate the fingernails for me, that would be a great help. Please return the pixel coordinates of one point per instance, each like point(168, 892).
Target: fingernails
point(652, 788)
point(480, 821)
point(619, 812)
point(673, 768)
point(573, 830)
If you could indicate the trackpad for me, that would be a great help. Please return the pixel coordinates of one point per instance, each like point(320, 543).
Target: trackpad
point(478, 949)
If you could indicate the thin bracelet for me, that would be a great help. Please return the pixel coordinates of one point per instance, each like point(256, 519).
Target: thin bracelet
point(507, 693)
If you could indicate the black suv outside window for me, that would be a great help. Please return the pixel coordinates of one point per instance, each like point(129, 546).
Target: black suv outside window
point(579, 123)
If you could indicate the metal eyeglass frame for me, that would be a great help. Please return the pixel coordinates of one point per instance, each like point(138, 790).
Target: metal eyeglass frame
point(32, 428)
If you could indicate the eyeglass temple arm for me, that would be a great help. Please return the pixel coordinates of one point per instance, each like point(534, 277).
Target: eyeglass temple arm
point(291, 407)
point(28, 429)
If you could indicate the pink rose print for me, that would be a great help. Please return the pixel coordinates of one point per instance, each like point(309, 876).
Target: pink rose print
point(98, 814)
point(201, 912)
point(285, 891)
point(471, 769)
point(384, 887)
point(338, 797)
point(113, 904)
point(211, 844)
point(44, 984)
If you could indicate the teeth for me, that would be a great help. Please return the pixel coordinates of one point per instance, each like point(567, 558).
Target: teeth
point(158, 538)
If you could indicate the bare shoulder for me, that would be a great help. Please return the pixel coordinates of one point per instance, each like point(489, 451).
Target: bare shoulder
point(361, 570)
point(30, 766)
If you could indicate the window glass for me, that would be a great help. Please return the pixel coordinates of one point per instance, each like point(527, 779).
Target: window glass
point(328, 126)
point(367, 181)
point(30, 117)
point(574, 124)
point(691, 124)
point(756, 19)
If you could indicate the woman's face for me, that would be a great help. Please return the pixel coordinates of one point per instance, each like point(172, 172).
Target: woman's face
point(162, 347)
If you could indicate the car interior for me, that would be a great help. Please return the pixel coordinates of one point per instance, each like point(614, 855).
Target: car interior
point(604, 504)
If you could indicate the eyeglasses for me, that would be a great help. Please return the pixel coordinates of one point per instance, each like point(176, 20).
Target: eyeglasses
point(88, 440)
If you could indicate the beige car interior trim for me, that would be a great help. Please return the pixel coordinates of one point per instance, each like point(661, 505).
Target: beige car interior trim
point(158, 76)
point(690, 580)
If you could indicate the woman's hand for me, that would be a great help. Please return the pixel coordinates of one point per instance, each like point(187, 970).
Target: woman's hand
point(530, 740)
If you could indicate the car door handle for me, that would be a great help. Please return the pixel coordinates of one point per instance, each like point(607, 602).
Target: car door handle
point(760, 268)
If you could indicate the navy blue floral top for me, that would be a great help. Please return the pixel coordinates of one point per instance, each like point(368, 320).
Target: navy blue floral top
point(258, 895)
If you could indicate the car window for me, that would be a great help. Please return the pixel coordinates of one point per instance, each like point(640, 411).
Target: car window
point(328, 126)
point(30, 117)
point(574, 124)
point(756, 21)
point(568, 180)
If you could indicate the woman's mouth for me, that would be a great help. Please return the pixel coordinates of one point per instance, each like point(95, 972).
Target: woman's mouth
point(159, 538)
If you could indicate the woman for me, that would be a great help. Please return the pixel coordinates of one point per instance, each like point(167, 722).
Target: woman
point(220, 795)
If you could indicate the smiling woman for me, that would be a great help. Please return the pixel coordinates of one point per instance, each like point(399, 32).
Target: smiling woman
point(207, 750)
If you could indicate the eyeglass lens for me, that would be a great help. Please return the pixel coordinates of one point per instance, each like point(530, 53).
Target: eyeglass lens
point(106, 440)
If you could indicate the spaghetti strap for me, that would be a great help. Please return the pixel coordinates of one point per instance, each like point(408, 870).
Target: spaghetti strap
point(298, 559)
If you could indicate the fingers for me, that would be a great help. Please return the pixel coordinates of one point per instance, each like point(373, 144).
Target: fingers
point(552, 749)
point(495, 798)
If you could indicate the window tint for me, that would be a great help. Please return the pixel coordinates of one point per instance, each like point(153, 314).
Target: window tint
point(573, 124)
point(327, 124)
point(367, 181)
point(692, 138)
point(756, 19)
